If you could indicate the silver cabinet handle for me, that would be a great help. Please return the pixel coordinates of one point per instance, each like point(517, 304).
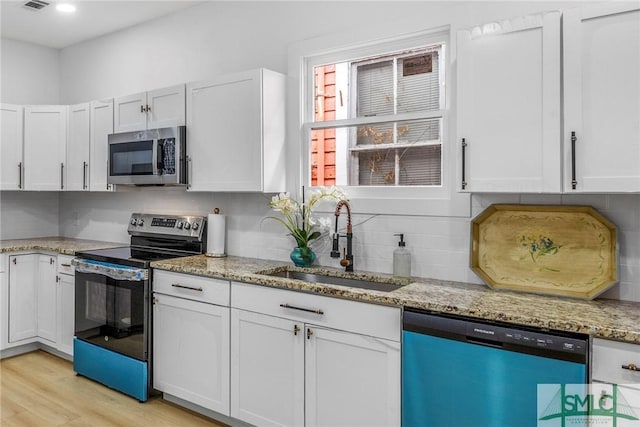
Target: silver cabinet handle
point(20, 175)
point(193, 288)
point(62, 176)
point(574, 139)
point(65, 265)
point(308, 310)
point(84, 175)
point(148, 109)
point(631, 367)
point(464, 158)
point(188, 172)
point(142, 108)
point(108, 185)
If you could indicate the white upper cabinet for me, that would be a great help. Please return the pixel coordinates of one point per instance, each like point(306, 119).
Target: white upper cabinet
point(236, 132)
point(78, 141)
point(101, 127)
point(601, 47)
point(508, 103)
point(45, 137)
point(11, 162)
point(149, 110)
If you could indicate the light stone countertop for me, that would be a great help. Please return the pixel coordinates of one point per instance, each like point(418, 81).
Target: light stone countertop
point(61, 245)
point(604, 318)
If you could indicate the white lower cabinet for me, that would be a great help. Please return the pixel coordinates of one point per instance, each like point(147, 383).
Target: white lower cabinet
point(267, 369)
point(41, 304)
point(350, 379)
point(301, 359)
point(47, 291)
point(22, 297)
point(615, 362)
point(191, 339)
point(65, 305)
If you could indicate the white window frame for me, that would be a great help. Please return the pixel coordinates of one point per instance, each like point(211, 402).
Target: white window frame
point(440, 200)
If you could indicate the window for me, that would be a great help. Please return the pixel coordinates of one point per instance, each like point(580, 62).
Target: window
point(373, 118)
point(378, 120)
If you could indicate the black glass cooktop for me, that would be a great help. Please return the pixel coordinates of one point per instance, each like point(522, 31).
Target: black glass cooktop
point(127, 255)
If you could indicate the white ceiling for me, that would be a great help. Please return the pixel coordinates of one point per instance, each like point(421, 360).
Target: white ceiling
point(93, 18)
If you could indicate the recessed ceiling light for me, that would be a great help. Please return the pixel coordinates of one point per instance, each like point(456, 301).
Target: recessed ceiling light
point(65, 7)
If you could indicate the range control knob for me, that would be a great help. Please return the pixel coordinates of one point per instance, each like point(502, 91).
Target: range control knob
point(133, 221)
point(187, 225)
point(179, 225)
point(195, 226)
point(140, 222)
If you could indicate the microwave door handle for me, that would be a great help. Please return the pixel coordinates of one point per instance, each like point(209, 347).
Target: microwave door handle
point(154, 157)
point(159, 157)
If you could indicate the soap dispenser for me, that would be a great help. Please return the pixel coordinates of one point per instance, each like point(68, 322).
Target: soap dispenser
point(401, 259)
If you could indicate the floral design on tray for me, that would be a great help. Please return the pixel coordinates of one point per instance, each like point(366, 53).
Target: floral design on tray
point(538, 244)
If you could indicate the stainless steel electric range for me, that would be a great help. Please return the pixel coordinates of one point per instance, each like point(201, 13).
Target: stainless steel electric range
point(112, 343)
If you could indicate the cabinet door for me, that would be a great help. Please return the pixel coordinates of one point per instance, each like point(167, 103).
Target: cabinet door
point(224, 133)
point(611, 362)
point(45, 135)
point(166, 107)
point(65, 313)
point(351, 379)
point(602, 98)
point(130, 113)
point(191, 351)
point(77, 164)
point(101, 127)
point(22, 297)
point(46, 299)
point(11, 147)
point(509, 106)
point(267, 369)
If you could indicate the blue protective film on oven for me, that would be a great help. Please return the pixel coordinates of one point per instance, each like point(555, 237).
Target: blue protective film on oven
point(115, 271)
point(122, 373)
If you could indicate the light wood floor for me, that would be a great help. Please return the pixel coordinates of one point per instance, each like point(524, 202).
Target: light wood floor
point(39, 389)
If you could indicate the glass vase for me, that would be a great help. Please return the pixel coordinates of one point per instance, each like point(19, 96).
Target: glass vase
point(302, 257)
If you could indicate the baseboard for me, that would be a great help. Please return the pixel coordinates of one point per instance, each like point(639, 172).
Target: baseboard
point(33, 346)
point(204, 411)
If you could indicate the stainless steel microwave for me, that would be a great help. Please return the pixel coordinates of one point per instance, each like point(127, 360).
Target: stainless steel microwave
point(149, 157)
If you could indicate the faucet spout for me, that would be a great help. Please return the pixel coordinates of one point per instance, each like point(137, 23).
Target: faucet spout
point(347, 260)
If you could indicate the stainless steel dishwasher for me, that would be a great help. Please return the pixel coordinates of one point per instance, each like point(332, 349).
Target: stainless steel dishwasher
point(462, 372)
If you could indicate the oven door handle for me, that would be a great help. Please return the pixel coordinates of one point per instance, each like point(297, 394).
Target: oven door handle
point(117, 272)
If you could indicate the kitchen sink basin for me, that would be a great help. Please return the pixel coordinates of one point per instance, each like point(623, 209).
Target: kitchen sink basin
point(388, 285)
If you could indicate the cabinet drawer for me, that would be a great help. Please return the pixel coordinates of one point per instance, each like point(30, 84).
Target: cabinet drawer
point(608, 359)
point(64, 265)
point(362, 318)
point(197, 288)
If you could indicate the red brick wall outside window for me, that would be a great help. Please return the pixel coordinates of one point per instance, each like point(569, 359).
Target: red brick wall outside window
point(323, 141)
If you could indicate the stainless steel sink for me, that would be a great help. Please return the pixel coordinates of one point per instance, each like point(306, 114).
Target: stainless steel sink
point(390, 285)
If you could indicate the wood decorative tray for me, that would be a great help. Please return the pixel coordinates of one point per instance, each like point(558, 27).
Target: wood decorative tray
point(558, 250)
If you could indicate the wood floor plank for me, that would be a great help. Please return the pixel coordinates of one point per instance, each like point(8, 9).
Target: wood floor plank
point(39, 389)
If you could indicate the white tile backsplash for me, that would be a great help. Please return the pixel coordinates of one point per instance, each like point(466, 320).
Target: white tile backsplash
point(439, 245)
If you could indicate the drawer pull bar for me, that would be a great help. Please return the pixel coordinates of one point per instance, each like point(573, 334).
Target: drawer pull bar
point(631, 367)
point(308, 310)
point(193, 288)
point(65, 265)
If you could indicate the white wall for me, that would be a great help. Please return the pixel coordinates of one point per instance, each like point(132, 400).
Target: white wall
point(30, 73)
point(219, 37)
